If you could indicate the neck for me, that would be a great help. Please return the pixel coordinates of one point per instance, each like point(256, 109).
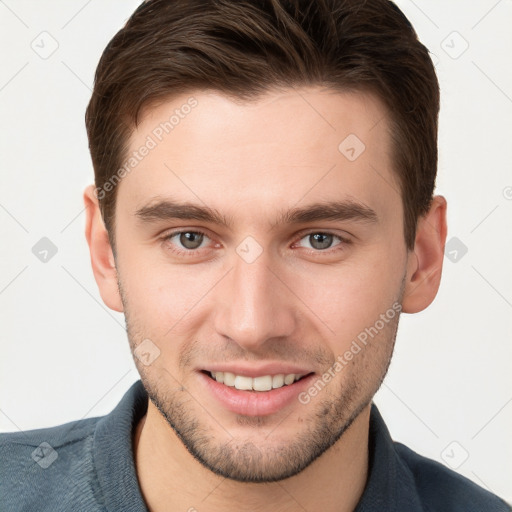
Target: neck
point(172, 479)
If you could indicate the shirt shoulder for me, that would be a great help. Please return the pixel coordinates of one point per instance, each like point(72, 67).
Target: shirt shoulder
point(38, 462)
point(441, 489)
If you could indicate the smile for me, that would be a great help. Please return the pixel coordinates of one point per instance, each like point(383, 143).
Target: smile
point(260, 383)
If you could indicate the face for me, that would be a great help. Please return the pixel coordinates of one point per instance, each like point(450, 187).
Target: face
point(258, 243)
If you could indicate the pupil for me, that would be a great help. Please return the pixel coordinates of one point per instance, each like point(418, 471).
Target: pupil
point(320, 240)
point(191, 240)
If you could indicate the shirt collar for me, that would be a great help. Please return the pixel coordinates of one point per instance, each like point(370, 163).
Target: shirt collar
point(389, 485)
point(113, 452)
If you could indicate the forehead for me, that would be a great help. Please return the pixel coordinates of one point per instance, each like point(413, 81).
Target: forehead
point(285, 147)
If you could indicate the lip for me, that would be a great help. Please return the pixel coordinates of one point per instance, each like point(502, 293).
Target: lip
point(255, 403)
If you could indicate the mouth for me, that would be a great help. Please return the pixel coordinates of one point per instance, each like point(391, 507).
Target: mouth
point(255, 390)
point(257, 384)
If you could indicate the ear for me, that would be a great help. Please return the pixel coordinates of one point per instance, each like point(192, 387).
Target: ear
point(102, 257)
point(425, 261)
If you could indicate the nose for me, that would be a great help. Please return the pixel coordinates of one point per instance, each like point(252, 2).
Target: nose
point(254, 304)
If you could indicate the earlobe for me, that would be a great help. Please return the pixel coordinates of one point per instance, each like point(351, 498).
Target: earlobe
point(425, 262)
point(102, 257)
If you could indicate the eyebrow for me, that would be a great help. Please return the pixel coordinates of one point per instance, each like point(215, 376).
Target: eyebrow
point(349, 209)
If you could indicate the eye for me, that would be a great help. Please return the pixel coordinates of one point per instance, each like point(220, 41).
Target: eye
point(320, 241)
point(185, 241)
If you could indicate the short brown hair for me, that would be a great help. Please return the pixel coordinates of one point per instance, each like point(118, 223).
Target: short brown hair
point(244, 48)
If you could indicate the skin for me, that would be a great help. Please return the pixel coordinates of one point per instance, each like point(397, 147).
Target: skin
point(294, 303)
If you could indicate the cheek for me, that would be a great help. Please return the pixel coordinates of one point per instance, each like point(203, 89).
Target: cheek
point(163, 299)
point(352, 296)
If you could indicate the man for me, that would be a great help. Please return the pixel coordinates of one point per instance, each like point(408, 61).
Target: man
point(262, 213)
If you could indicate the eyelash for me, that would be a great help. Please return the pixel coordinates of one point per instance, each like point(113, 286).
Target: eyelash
point(193, 252)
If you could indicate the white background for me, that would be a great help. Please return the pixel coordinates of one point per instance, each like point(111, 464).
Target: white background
point(65, 356)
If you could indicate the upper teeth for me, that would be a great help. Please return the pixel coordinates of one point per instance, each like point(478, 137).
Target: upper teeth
point(263, 383)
